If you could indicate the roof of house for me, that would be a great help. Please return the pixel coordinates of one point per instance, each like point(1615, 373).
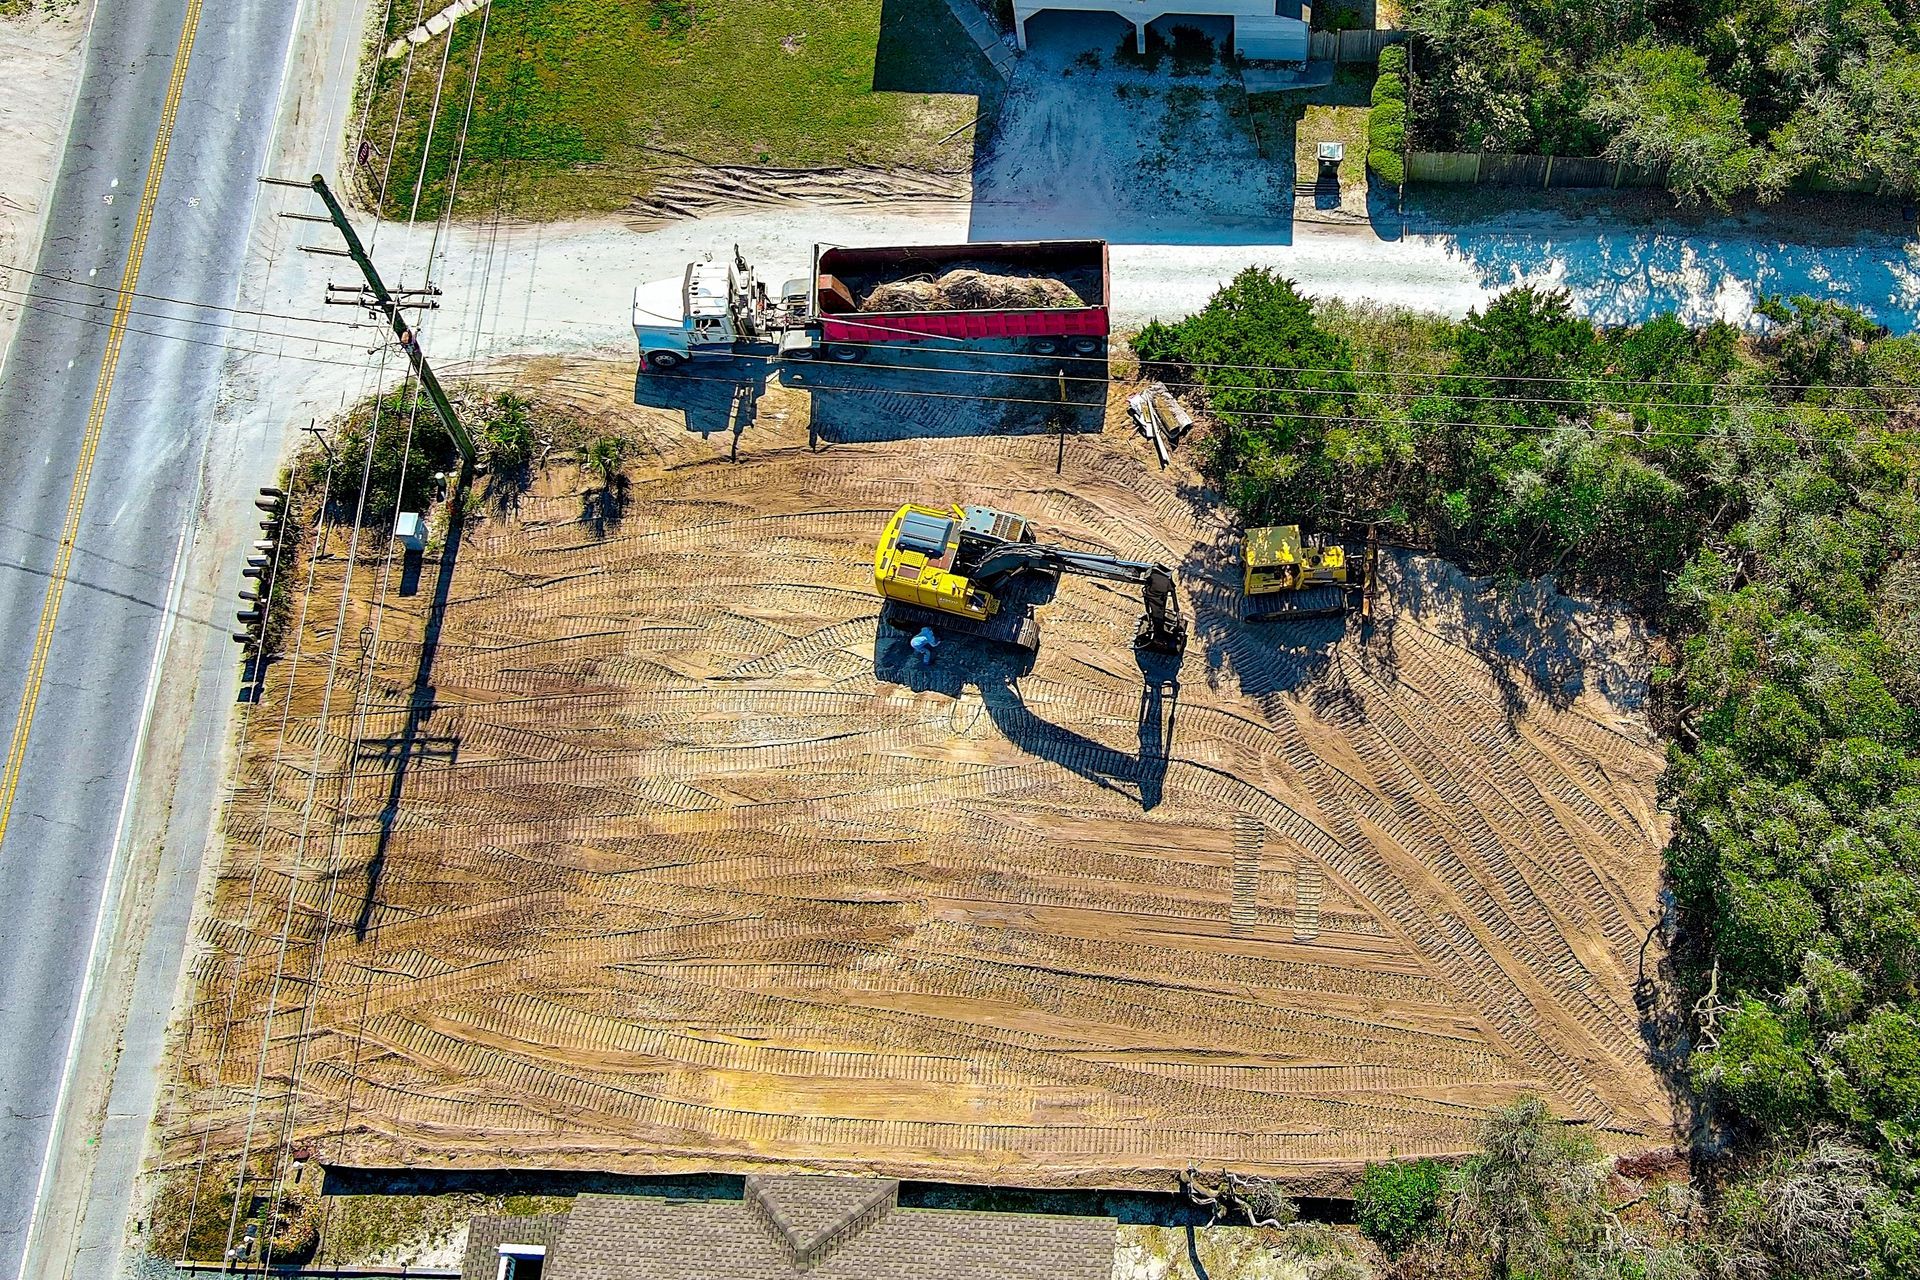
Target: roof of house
point(486, 1235)
point(820, 1228)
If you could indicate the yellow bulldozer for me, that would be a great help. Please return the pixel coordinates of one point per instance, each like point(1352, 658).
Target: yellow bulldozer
point(952, 569)
point(1287, 577)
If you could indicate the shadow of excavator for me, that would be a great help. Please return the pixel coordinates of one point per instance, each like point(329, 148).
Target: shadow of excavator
point(993, 672)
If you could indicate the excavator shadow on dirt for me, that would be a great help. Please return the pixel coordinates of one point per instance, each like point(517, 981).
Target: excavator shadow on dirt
point(993, 671)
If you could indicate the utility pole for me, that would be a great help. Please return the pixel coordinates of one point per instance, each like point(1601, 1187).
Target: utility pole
point(392, 310)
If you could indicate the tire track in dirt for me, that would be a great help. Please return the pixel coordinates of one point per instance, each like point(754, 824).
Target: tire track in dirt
point(694, 874)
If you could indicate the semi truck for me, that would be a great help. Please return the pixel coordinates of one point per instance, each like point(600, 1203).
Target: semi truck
point(1053, 297)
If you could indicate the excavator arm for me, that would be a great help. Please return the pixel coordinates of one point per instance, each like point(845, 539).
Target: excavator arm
point(1162, 630)
point(943, 566)
point(1014, 557)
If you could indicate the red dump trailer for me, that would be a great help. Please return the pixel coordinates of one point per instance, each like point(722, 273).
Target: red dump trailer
point(1045, 296)
point(845, 279)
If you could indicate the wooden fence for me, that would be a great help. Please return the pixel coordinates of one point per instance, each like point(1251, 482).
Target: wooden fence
point(1509, 169)
point(1350, 46)
point(1506, 169)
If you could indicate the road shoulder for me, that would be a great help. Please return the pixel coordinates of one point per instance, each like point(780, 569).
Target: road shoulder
point(43, 54)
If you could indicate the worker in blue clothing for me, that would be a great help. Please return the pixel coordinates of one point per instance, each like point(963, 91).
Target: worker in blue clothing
point(924, 643)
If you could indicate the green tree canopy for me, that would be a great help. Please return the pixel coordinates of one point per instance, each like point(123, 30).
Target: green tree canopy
point(1663, 111)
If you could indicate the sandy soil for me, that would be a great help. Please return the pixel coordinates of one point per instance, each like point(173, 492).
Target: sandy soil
point(1301, 1252)
point(1096, 146)
point(41, 54)
point(682, 863)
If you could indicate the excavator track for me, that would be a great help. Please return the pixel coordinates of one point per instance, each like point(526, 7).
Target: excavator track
point(1015, 625)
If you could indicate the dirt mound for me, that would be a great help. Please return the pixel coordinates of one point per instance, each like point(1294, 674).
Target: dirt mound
point(970, 289)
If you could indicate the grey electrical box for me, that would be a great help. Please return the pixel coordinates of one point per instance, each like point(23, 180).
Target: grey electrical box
point(411, 531)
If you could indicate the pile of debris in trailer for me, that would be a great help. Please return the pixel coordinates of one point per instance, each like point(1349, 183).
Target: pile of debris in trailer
point(967, 288)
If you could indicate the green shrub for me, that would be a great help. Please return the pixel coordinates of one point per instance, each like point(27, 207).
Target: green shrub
point(1393, 60)
point(508, 433)
point(1388, 166)
point(605, 456)
point(1761, 1065)
point(1389, 88)
point(1387, 139)
point(409, 444)
point(1396, 1202)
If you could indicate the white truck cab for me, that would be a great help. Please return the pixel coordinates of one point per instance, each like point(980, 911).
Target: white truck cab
point(678, 320)
point(710, 310)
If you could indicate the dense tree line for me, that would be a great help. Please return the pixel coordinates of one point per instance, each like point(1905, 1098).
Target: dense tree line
point(1732, 97)
point(1759, 498)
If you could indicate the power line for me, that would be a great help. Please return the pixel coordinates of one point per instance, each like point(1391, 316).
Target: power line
point(1357, 393)
point(962, 343)
point(225, 346)
point(1268, 414)
point(28, 302)
point(161, 297)
point(1271, 415)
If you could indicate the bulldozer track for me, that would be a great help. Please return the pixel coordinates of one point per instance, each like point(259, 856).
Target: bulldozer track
point(675, 863)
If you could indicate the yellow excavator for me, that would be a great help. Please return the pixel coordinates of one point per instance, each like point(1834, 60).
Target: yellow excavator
point(950, 568)
point(1290, 578)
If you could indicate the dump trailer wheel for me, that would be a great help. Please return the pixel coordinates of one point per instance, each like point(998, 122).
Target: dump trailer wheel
point(843, 353)
point(1089, 346)
point(1044, 346)
point(664, 361)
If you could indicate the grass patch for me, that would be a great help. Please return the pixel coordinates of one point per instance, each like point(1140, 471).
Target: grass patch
point(1318, 124)
point(581, 105)
point(1332, 113)
point(363, 1230)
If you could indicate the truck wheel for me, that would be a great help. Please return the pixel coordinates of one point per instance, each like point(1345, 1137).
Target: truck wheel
point(1044, 346)
point(662, 361)
point(844, 354)
point(1088, 345)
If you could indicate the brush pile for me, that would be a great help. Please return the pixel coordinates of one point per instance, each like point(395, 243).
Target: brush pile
point(968, 289)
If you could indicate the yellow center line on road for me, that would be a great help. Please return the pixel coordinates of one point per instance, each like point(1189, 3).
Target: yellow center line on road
point(96, 419)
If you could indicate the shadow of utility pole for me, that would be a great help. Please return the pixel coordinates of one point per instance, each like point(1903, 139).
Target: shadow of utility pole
point(413, 740)
point(1193, 1255)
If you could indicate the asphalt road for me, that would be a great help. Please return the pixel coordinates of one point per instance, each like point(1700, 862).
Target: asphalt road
point(60, 850)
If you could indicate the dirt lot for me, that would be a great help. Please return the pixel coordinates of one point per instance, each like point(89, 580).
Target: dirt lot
point(660, 854)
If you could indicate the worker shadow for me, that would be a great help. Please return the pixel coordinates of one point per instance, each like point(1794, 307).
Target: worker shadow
point(900, 392)
point(714, 396)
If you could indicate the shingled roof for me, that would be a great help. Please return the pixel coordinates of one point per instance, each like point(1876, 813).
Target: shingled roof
point(790, 1227)
point(486, 1235)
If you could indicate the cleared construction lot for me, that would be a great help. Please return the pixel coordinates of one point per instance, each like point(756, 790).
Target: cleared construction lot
point(660, 854)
